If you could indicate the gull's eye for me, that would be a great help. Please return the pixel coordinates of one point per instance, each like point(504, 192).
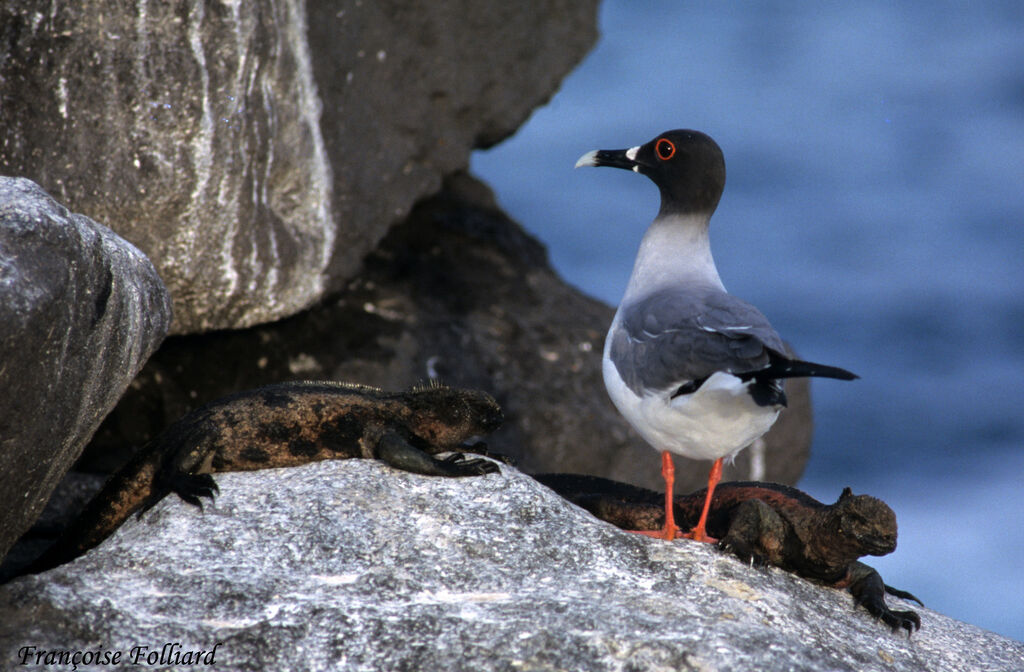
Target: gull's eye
point(664, 149)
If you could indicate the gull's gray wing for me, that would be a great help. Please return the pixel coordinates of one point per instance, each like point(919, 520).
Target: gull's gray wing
point(683, 335)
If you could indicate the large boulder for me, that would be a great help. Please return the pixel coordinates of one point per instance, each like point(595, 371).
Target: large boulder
point(457, 291)
point(410, 87)
point(80, 312)
point(353, 565)
point(193, 128)
point(253, 153)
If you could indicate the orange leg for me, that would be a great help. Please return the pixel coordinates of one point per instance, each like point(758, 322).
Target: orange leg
point(699, 533)
point(668, 471)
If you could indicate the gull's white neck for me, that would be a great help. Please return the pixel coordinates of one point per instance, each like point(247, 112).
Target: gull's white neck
point(675, 251)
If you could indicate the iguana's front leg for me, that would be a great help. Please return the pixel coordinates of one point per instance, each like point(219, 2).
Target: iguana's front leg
point(397, 451)
point(186, 473)
point(867, 588)
point(480, 448)
point(756, 534)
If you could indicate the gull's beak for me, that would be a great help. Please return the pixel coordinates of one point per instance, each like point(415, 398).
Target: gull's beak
point(615, 158)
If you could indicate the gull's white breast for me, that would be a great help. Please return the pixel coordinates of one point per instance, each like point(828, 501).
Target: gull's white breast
point(718, 420)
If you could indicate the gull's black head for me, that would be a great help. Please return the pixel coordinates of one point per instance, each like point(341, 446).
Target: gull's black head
point(687, 166)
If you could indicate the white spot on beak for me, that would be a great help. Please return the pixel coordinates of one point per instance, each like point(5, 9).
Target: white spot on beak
point(588, 159)
point(631, 153)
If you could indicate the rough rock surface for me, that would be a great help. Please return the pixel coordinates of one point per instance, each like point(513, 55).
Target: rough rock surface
point(206, 133)
point(67, 501)
point(458, 291)
point(80, 311)
point(192, 128)
point(353, 565)
point(410, 87)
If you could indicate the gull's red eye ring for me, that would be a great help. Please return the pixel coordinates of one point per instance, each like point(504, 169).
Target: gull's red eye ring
point(664, 149)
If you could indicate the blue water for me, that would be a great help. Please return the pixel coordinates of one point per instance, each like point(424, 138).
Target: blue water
point(874, 210)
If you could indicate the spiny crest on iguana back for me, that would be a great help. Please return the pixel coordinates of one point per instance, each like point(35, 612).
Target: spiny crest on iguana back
point(421, 386)
point(429, 384)
point(357, 387)
point(455, 406)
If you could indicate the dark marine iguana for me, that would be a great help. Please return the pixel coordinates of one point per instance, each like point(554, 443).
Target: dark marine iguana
point(286, 425)
point(767, 523)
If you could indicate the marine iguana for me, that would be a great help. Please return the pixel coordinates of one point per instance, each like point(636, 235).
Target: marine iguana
point(285, 425)
point(767, 523)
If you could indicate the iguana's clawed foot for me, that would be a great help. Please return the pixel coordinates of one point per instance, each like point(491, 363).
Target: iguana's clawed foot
point(460, 465)
point(868, 590)
point(743, 551)
point(192, 487)
point(396, 450)
point(480, 448)
point(908, 620)
point(875, 604)
point(895, 619)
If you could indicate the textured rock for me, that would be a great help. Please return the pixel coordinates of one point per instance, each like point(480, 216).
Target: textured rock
point(458, 291)
point(352, 565)
point(70, 496)
point(410, 87)
point(195, 128)
point(80, 311)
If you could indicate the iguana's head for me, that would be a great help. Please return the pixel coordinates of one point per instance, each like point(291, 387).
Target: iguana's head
point(447, 416)
point(865, 521)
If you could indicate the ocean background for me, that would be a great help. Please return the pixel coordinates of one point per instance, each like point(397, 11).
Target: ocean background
point(874, 211)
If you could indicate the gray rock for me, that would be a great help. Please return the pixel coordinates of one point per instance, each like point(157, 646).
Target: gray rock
point(352, 565)
point(410, 87)
point(193, 128)
point(459, 291)
point(80, 312)
point(66, 502)
point(206, 133)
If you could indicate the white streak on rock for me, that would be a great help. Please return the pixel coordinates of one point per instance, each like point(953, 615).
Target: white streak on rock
point(62, 97)
point(319, 166)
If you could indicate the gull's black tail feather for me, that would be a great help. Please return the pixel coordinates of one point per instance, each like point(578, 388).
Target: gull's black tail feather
point(767, 389)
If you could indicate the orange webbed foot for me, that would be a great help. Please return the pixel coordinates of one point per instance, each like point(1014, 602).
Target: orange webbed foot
point(699, 535)
point(666, 533)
